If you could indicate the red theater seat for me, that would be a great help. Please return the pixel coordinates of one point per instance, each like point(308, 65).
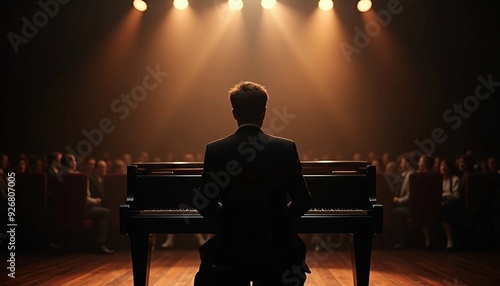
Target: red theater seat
point(479, 193)
point(115, 188)
point(31, 204)
point(425, 198)
point(385, 197)
point(68, 208)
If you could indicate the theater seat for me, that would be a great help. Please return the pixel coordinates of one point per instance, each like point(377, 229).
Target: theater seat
point(479, 192)
point(31, 210)
point(31, 193)
point(385, 197)
point(69, 206)
point(425, 198)
point(115, 188)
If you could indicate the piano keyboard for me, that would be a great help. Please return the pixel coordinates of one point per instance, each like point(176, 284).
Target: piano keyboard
point(168, 211)
point(337, 211)
point(322, 211)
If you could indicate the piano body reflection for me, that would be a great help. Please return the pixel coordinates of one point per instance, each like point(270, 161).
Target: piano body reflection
point(161, 199)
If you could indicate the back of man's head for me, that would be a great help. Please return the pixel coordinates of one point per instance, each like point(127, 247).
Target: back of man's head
point(428, 162)
point(248, 100)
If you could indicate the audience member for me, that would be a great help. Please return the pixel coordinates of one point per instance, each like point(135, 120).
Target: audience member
point(450, 210)
point(95, 211)
point(68, 164)
point(466, 165)
point(437, 164)
point(20, 164)
point(35, 165)
point(394, 179)
point(127, 159)
point(376, 162)
point(89, 165)
point(95, 179)
point(118, 167)
point(401, 210)
point(53, 163)
point(493, 166)
point(426, 164)
point(385, 159)
point(357, 157)
point(144, 157)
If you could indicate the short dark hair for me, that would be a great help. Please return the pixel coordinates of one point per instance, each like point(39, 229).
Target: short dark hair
point(248, 100)
point(428, 161)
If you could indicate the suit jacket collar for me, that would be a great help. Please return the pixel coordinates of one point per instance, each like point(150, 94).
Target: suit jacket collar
point(248, 128)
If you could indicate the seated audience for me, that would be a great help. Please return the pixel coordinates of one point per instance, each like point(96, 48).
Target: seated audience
point(95, 212)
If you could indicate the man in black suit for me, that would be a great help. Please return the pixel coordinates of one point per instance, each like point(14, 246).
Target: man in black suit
point(53, 163)
point(96, 178)
point(252, 185)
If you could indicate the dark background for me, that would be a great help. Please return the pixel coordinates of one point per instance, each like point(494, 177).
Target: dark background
point(395, 91)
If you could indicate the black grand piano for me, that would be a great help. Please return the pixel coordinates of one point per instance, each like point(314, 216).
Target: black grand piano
point(161, 199)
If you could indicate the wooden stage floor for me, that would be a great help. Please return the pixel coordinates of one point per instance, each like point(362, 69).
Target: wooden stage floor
point(176, 267)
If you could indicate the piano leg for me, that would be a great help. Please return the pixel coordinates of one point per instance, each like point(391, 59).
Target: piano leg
point(140, 244)
point(361, 257)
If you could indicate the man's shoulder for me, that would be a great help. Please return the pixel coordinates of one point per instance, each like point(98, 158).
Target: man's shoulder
point(260, 138)
point(93, 178)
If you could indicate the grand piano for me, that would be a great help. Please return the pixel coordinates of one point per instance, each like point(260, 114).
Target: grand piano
point(160, 200)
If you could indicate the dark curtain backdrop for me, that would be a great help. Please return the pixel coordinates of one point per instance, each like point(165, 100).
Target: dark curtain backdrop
point(77, 70)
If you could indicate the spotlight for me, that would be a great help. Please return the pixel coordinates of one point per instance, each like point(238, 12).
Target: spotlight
point(181, 4)
point(325, 5)
point(140, 5)
point(268, 4)
point(364, 5)
point(235, 4)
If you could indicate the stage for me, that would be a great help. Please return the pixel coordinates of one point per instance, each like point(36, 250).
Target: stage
point(177, 267)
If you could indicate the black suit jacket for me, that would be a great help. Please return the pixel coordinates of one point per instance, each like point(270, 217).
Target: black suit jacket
point(95, 187)
point(252, 184)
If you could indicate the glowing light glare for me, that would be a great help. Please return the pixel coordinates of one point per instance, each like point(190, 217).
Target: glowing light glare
point(364, 5)
point(181, 4)
point(268, 4)
point(325, 5)
point(235, 4)
point(140, 5)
